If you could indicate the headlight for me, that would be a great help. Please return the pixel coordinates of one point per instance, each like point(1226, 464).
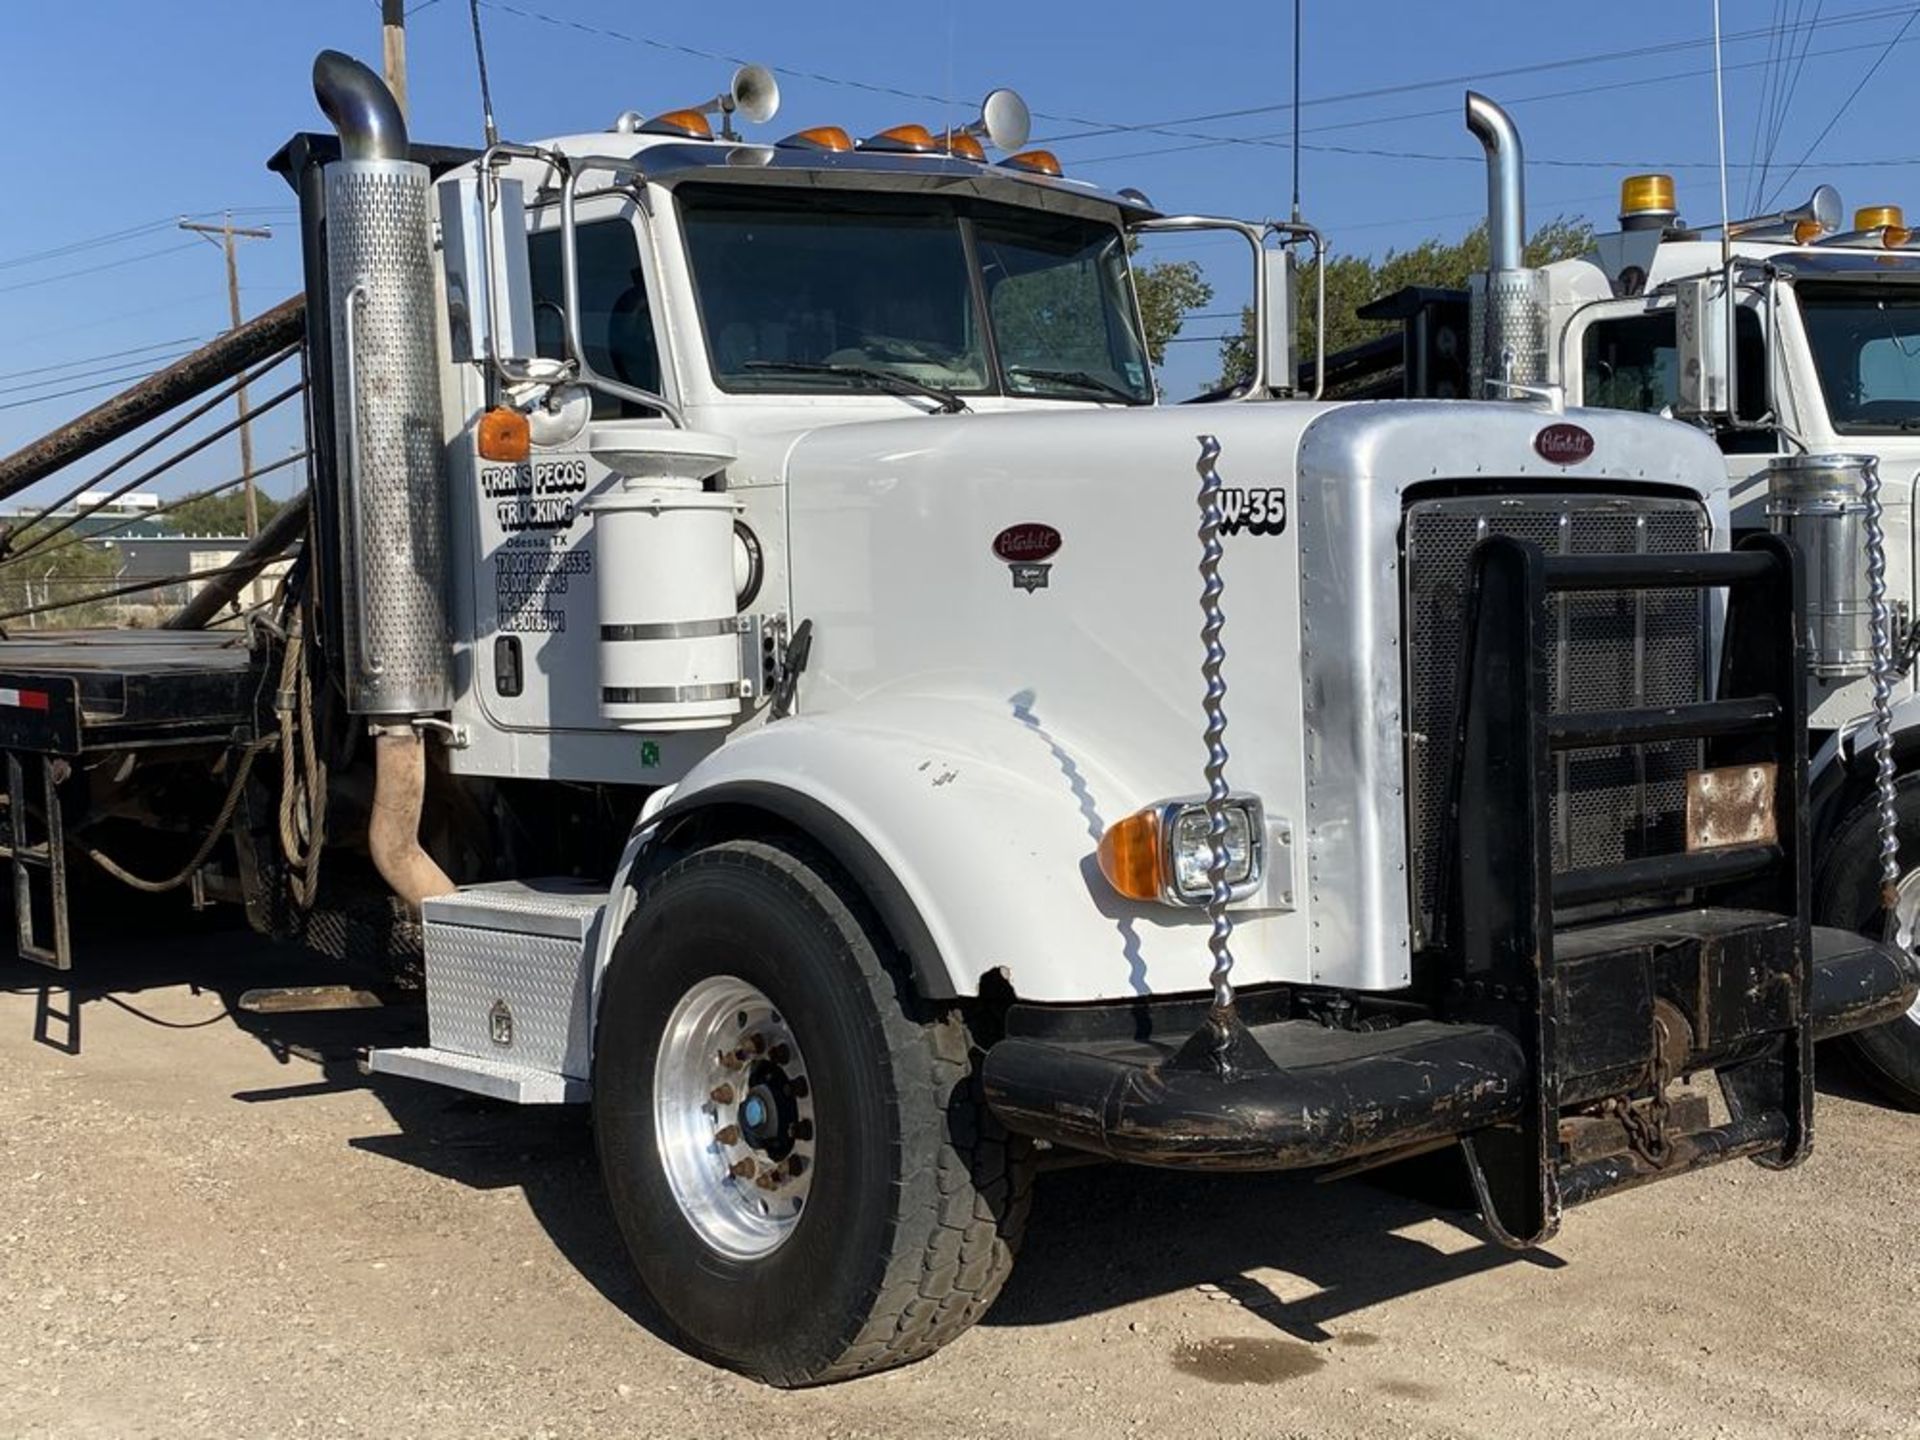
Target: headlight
point(1191, 853)
point(1162, 853)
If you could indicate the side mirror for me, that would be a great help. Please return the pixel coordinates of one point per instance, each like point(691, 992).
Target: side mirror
point(1277, 365)
point(489, 291)
point(1703, 322)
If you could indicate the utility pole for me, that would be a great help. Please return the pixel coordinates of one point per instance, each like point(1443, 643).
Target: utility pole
point(393, 49)
point(228, 234)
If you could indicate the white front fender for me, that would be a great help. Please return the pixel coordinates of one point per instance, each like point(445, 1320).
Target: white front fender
point(973, 828)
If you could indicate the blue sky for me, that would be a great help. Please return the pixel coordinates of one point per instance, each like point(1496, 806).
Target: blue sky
point(125, 115)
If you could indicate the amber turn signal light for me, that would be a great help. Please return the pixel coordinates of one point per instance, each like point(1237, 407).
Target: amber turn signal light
point(505, 435)
point(1130, 856)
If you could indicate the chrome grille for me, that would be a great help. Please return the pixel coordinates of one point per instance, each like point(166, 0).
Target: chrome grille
point(1611, 651)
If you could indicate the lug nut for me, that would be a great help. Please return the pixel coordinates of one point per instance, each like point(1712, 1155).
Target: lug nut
point(779, 1054)
point(731, 1060)
point(768, 1179)
point(742, 1170)
point(798, 1087)
point(728, 1135)
point(803, 1129)
point(722, 1095)
point(796, 1165)
point(756, 1042)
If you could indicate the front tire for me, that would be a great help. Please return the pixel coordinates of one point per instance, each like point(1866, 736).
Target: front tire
point(1849, 897)
point(823, 1195)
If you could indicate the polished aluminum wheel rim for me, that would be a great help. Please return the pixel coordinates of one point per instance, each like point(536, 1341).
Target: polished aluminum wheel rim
point(1906, 924)
point(733, 1117)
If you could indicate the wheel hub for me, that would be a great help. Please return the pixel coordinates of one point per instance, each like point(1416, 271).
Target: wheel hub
point(733, 1115)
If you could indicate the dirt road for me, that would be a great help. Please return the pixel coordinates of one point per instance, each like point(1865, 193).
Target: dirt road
point(215, 1227)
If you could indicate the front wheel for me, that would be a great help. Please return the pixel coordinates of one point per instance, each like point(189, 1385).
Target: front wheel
point(796, 1155)
point(1849, 896)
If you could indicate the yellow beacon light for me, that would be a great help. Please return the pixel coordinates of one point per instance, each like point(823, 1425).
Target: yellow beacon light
point(1646, 199)
point(1888, 219)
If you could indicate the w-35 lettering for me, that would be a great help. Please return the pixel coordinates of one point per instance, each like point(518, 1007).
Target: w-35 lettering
point(1258, 512)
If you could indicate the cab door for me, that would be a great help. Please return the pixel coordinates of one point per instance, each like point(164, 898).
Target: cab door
point(534, 600)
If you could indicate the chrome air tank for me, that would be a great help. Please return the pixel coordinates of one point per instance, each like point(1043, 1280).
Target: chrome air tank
point(1820, 502)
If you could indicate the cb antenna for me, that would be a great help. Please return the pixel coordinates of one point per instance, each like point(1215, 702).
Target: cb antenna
point(480, 55)
point(1720, 122)
point(1296, 111)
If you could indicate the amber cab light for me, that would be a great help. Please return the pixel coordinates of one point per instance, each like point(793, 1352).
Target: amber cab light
point(914, 139)
point(689, 124)
point(967, 147)
point(1039, 162)
point(830, 138)
point(1130, 855)
point(505, 435)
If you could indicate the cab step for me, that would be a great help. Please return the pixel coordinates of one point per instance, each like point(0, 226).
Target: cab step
point(509, 992)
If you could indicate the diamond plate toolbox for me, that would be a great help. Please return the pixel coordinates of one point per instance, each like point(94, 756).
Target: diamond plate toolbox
point(508, 973)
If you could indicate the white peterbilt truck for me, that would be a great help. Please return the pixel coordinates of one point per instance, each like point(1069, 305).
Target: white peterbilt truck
point(759, 620)
point(1793, 340)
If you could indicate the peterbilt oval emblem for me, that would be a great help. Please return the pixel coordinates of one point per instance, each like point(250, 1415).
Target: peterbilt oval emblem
point(1026, 543)
point(1563, 444)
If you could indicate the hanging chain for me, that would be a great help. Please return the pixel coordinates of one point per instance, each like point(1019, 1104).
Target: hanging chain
point(1213, 620)
point(1646, 1125)
point(1883, 663)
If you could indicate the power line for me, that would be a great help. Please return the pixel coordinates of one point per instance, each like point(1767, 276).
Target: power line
point(123, 373)
point(1786, 107)
point(98, 359)
point(178, 302)
point(1474, 77)
point(1847, 103)
point(1093, 128)
point(1770, 76)
point(61, 394)
point(1276, 139)
point(95, 269)
point(131, 232)
point(75, 247)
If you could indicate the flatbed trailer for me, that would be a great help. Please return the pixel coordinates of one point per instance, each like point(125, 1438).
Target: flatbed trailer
point(69, 695)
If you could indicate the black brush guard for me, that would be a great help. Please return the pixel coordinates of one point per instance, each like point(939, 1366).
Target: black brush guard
point(1547, 1052)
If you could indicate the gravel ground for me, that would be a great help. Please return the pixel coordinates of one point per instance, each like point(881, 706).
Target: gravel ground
point(211, 1225)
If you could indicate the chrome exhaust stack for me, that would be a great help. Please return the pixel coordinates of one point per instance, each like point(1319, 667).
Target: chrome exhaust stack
point(387, 424)
point(1509, 322)
point(390, 472)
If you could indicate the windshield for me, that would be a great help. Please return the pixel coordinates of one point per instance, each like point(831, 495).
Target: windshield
point(1866, 346)
point(832, 291)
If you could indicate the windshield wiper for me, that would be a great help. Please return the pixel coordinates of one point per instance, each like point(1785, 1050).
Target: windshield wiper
point(950, 403)
point(1080, 379)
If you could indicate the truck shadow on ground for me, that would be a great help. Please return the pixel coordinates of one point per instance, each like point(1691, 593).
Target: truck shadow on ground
point(1334, 1248)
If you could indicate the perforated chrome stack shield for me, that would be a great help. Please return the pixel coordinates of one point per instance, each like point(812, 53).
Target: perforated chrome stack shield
point(393, 508)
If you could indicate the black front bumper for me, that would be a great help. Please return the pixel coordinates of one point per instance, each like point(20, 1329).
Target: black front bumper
point(1552, 1049)
point(1336, 1095)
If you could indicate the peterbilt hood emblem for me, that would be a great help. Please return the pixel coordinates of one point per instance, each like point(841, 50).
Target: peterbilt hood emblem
point(1563, 444)
point(1028, 543)
point(1026, 548)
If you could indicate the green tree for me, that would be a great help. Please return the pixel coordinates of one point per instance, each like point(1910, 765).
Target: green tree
point(1353, 280)
point(222, 514)
point(1169, 291)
